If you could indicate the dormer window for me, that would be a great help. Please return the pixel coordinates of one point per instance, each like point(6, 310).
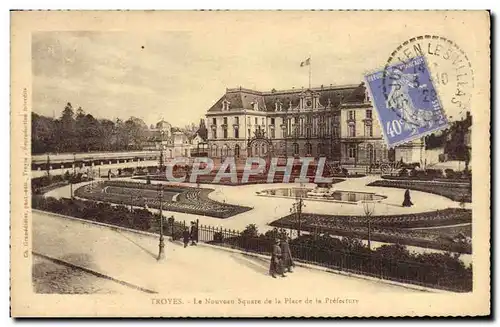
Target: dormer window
point(225, 105)
point(278, 106)
point(255, 105)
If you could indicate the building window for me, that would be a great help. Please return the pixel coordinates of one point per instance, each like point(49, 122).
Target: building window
point(249, 133)
point(295, 149)
point(214, 150)
point(273, 133)
point(236, 150)
point(185, 152)
point(370, 153)
point(368, 114)
point(351, 151)
point(236, 133)
point(352, 115)
point(225, 150)
point(214, 133)
point(352, 130)
point(321, 148)
point(369, 130)
point(214, 121)
point(308, 148)
point(225, 133)
point(256, 121)
point(225, 120)
point(237, 120)
point(263, 121)
point(272, 121)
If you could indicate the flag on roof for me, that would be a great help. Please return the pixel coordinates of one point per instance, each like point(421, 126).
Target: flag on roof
point(306, 62)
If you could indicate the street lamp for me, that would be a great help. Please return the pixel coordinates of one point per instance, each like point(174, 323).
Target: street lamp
point(161, 245)
point(48, 166)
point(162, 133)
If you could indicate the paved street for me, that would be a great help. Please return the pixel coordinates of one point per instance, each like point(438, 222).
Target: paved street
point(131, 258)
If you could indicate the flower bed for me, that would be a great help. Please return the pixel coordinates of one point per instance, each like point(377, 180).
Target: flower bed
point(117, 215)
point(427, 179)
point(453, 191)
point(44, 184)
point(253, 179)
point(190, 200)
point(390, 229)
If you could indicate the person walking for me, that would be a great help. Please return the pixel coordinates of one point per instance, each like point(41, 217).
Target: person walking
point(185, 236)
point(276, 264)
point(194, 233)
point(407, 200)
point(286, 254)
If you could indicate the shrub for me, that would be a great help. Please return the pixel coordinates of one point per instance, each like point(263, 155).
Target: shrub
point(250, 231)
point(403, 172)
point(449, 173)
point(434, 173)
point(218, 237)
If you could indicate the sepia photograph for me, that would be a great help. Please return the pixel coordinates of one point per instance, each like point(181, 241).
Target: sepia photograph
point(250, 164)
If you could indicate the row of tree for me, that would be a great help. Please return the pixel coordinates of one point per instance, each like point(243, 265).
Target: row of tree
point(77, 131)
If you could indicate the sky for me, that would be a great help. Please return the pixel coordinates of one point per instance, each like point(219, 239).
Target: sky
point(178, 72)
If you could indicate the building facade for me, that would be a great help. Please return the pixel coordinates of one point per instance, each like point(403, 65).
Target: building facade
point(337, 122)
point(172, 144)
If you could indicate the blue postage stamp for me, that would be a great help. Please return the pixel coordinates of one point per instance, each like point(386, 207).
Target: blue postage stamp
point(406, 101)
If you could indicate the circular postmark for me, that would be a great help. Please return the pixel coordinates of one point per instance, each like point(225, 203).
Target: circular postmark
point(446, 67)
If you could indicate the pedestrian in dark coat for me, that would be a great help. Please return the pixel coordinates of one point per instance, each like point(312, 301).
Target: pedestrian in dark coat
point(185, 236)
point(407, 200)
point(276, 266)
point(194, 233)
point(287, 254)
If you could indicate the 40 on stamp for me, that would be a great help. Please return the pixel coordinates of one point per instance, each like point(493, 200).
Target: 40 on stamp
point(406, 101)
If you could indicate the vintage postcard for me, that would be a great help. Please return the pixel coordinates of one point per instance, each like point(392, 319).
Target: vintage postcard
point(250, 163)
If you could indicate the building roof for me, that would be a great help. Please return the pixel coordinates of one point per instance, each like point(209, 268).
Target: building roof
point(241, 98)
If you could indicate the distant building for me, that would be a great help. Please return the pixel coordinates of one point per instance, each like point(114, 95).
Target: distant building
point(173, 144)
point(337, 122)
point(199, 145)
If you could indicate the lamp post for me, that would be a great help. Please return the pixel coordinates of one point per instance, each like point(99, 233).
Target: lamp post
point(161, 245)
point(48, 166)
point(162, 133)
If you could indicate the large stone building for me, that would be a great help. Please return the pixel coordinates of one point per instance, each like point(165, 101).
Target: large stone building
point(337, 122)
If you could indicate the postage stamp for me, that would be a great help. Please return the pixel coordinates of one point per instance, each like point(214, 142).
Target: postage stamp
point(449, 68)
point(164, 169)
point(411, 108)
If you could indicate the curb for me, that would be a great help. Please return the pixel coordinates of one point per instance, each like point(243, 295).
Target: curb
point(257, 255)
point(93, 272)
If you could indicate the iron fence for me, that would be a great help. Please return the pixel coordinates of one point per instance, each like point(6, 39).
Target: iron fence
point(369, 263)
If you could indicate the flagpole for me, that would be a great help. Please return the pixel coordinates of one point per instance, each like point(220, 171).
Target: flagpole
point(310, 67)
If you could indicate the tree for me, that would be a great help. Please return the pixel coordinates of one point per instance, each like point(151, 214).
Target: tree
point(43, 138)
point(66, 130)
point(136, 130)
